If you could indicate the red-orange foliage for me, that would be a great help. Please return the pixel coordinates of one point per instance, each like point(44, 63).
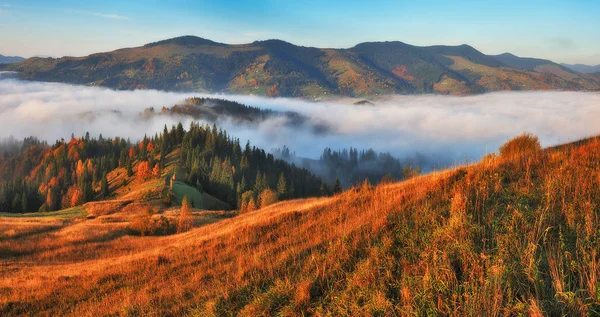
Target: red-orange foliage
point(143, 170)
point(156, 170)
point(273, 91)
point(132, 152)
point(80, 168)
point(76, 197)
point(150, 147)
point(400, 71)
point(73, 153)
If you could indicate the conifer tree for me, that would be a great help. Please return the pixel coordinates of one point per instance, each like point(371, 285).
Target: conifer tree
point(337, 188)
point(281, 186)
point(104, 186)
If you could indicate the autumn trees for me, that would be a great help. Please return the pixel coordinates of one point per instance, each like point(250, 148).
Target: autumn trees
point(66, 174)
point(38, 176)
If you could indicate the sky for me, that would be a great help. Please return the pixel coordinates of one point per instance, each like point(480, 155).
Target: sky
point(563, 31)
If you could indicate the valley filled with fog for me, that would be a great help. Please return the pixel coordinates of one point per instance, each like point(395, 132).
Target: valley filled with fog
point(431, 130)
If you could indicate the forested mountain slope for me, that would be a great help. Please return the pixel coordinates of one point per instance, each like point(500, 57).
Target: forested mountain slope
point(278, 68)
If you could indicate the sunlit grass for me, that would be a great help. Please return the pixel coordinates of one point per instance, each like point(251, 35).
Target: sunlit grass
point(514, 236)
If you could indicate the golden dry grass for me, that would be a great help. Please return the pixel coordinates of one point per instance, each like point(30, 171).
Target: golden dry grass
point(503, 237)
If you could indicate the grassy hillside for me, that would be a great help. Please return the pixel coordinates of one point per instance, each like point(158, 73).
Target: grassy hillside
point(516, 234)
point(278, 68)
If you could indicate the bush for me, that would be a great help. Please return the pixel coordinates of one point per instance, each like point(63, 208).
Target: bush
point(148, 225)
point(519, 146)
point(267, 197)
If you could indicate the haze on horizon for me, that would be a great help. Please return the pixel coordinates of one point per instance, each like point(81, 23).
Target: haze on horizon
point(562, 31)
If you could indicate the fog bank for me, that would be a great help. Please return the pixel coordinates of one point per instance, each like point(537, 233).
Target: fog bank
point(442, 129)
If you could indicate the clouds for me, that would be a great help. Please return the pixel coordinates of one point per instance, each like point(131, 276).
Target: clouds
point(110, 16)
point(444, 130)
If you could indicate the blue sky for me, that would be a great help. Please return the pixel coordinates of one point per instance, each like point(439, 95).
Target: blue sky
point(564, 31)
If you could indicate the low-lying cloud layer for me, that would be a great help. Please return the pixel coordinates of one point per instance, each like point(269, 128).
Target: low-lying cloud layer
point(444, 130)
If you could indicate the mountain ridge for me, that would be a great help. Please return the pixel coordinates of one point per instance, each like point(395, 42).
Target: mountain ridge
point(583, 68)
point(279, 68)
point(10, 59)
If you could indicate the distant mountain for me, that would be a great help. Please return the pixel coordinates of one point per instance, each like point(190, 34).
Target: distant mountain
point(586, 69)
point(10, 59)
point(511, 60)
point(278, 68)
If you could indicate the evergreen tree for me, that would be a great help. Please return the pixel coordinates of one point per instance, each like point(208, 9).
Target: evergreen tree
point(281, 186)
point(337, 188)
point(129, 168)
point(104, 186)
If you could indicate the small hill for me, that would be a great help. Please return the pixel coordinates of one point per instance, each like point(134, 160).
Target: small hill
point(515, 233)
point(363, 103)
point(10, 59)
point(278, 68)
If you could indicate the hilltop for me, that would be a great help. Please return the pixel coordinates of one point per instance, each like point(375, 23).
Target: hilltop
point(515, 234)
point(278, 68)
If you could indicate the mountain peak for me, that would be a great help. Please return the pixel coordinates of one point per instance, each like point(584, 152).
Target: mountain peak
point(186, 40)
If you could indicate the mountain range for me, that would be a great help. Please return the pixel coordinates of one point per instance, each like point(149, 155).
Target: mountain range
point(278, 68)
point(10, 59)
point(586, 69)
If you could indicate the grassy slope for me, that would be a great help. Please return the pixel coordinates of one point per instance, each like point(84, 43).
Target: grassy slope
point(199, 200)
point(499, 237)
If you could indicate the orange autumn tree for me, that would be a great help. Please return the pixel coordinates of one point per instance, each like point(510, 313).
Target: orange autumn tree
point(76, 197)
point(150, 147)
point(143, 170)
point(185, 221)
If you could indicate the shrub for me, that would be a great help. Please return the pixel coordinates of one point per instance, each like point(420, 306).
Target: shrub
point(149, 225)
point(267, 197)
point(524, 144)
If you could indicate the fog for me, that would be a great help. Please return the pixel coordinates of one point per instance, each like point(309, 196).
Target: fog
point(442, 130)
